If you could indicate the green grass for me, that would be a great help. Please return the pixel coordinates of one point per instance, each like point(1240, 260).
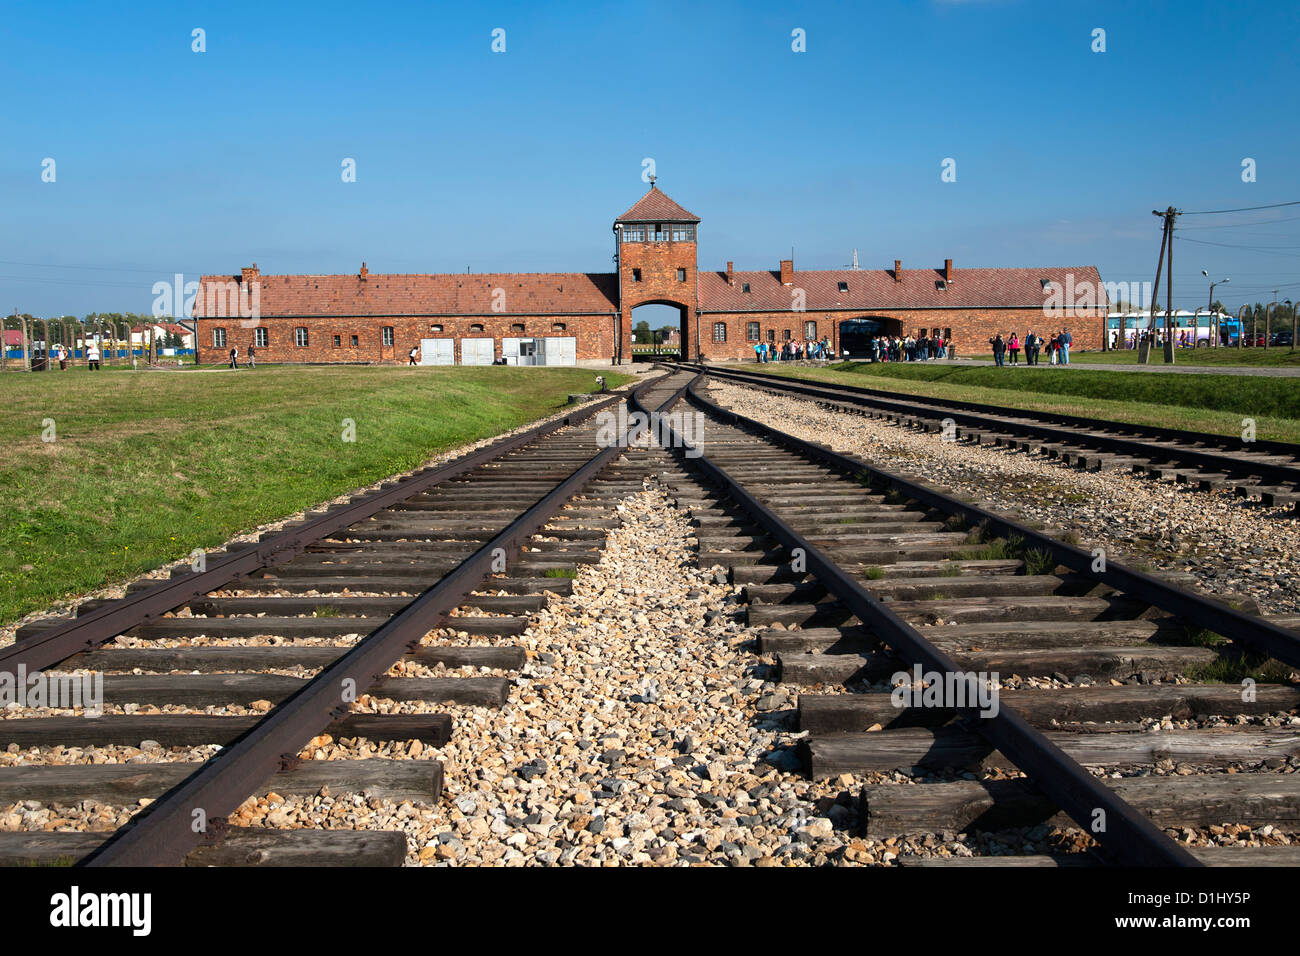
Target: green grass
point(1213, 403)
point(560, 573)
point(325, 610)
point(1201, 358)
point(1038, 561)
point(147, 466)
point(873, 573)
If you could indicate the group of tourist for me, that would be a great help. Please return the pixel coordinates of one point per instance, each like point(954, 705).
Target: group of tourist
point(234, 357)
point(794, 350)
point(1057, 348)
point(893, 348)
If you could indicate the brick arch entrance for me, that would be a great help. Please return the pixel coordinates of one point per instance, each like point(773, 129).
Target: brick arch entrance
point(689, 348)
point(856, 333)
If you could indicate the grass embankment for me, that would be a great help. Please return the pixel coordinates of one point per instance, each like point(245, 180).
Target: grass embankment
point(1208, 402)
point(146, 467)
point(1279, 356)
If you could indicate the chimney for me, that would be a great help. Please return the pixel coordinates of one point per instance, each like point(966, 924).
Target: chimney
point(249, 274)
point(364, 272)
point(898, 270)
point(731, 268)
point(787, 272)
point(947, 270)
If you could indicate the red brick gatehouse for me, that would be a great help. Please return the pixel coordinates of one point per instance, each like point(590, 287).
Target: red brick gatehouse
point(565, 318)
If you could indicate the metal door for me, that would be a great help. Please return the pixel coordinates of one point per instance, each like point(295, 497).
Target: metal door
point(437, 352)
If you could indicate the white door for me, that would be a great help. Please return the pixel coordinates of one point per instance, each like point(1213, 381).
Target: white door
point(510, 351)
point(476, 351)
point(561, 350)
point(437, 352)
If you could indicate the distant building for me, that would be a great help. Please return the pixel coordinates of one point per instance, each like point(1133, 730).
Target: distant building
point(582, 317)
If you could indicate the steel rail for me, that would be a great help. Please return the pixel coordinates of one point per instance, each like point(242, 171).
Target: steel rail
point(104, 623)
point(1122, 830)
point(939, 409)
point(165, 831)
point(1256, 633)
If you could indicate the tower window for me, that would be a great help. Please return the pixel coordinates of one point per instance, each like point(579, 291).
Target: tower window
point(681, 275)
point(719, 331)
point(636, 275)
point(683, 232)
point(634, 234)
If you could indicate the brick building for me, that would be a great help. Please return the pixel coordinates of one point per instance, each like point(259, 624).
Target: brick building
point(581, 317)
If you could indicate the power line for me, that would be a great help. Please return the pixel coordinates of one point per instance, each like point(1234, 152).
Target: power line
point(1263, 249)
point(1234, 225)
point(1215, 212)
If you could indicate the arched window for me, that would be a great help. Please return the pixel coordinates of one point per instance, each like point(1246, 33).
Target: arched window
point(476, 327)
point(558, 326)
point(517, 327)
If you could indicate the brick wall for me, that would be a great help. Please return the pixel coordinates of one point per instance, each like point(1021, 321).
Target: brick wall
point(971, 328)
point(594, 334)
point(658, 263)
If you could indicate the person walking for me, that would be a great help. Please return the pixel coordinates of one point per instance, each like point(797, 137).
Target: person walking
point(234, 356)
point(410, 356)
point(92, 357)
point(252, 357)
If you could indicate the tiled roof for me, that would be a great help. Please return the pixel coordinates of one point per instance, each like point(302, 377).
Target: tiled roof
point(655, 206)
point(538, 293)
point(876, 288)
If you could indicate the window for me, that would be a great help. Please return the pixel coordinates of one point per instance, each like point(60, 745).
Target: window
point(300, 337)
point(355, 343)
point(753, 331)
point(810, 330)
point(719, 331)
point(947, 334)
point(844, 287)
point(1044, 283)
point(683, 232)
point(744, 287)
point(517, 327)
point(558, 326)
point(218, 338)
point(338, 341)
point(438, 328)
point(476, 327)
point(388, 335)
point(771, 335)
point(660, 232)
point(786, 335)
point(634, 234)
point(940, 285)
point(260, 338)
point(681, 275)
point(636, 275)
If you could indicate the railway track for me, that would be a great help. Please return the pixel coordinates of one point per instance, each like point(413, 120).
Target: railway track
point(1264, 470)
point(377, 599)
point(857, 577)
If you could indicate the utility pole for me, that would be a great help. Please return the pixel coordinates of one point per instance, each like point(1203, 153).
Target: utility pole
point(1166, 240)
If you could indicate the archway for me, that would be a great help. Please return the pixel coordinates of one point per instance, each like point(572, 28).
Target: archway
point(661, 329)
point(856, 334)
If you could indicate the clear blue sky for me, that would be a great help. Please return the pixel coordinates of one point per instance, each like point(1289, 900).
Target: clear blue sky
point(174, 161)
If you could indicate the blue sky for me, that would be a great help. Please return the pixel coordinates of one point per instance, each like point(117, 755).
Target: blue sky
point(173, 161)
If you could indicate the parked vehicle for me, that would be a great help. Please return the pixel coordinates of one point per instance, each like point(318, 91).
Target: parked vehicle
point(1282, 337)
